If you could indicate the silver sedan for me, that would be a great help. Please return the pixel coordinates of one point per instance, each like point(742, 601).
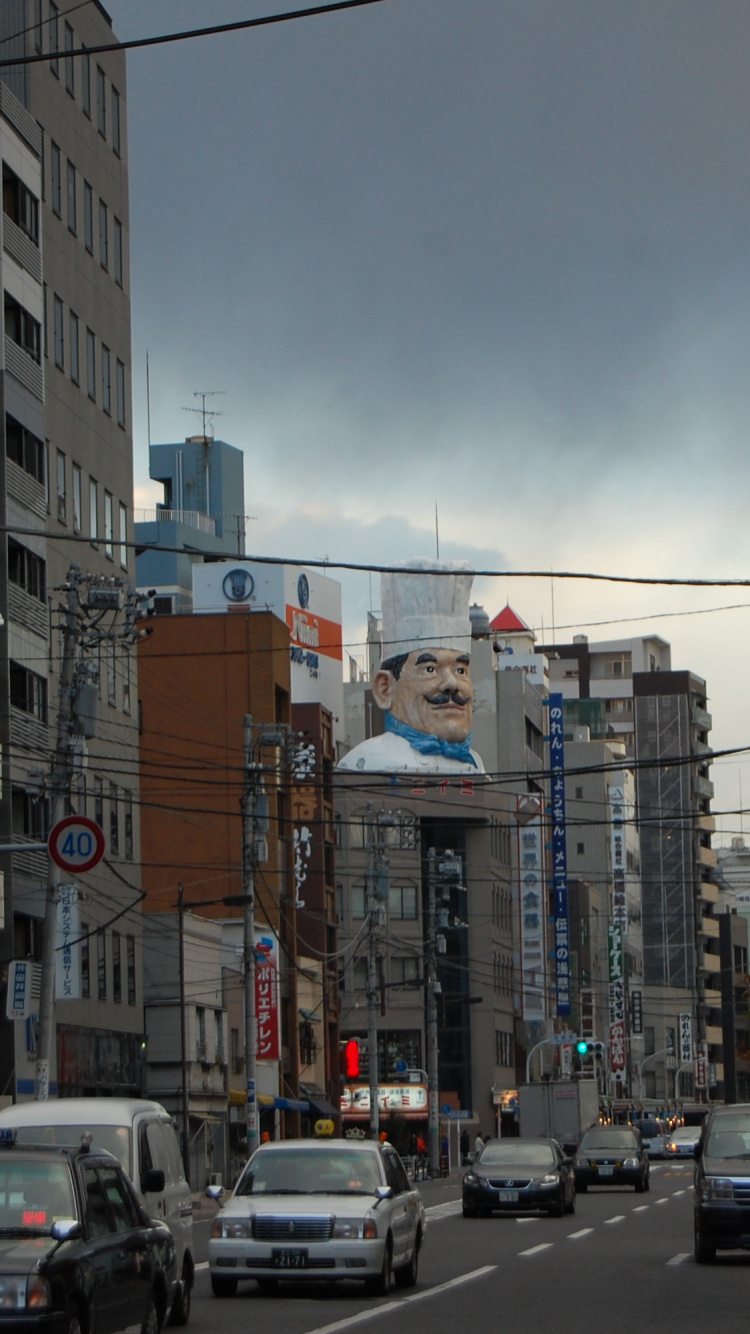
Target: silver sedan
point(319, 1209)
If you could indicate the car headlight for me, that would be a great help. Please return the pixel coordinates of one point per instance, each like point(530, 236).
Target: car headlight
point(630, 1162)
point(471, 1179)
point(354, 1227)
point(232, 1227)
point(38, 1293)
point(549, 1180)
point(24, 1291)
point(717, 1188)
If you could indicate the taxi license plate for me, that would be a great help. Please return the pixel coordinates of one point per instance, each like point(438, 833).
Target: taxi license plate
point(508, 1196)
point(606, 1171)
point(289, 1258)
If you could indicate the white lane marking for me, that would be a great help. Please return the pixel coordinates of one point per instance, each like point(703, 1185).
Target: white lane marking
point(374, 1311)
point(447, 1210)
point(640, 1208)
point(534, 1250)
point(678, 1192)
point(679, 1259)
point(527, 1220)
point(664, 1200)
point(617, 1219)
point(584, 1232)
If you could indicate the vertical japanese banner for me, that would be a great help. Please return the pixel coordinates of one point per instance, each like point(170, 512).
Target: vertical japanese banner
point(268, 1018)
point(531, 905)
point(619, 859)
point(304, 812)
point(686, 1037)
point(559, 854)
point(68, 945)
point(617, 1045)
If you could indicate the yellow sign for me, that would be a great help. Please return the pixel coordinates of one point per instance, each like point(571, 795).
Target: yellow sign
point(324, 1127)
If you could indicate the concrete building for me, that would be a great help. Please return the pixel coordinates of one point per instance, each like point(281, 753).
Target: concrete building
point(66, 483)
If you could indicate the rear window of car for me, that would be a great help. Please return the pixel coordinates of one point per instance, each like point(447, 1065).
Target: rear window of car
point(650, 1129)
point(610, 1139)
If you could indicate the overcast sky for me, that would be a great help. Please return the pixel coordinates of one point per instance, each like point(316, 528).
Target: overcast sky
point(483, 255)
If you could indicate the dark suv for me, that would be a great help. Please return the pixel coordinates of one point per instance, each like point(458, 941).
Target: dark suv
point(722, 1183)
point(77, 1249)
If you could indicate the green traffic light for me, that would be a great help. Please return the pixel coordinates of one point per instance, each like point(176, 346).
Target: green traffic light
point(582, 1048)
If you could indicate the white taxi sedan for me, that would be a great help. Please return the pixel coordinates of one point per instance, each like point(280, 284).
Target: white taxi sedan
point(319, 1209)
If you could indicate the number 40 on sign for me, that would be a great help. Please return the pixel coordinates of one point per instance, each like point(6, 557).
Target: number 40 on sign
point(76, 843)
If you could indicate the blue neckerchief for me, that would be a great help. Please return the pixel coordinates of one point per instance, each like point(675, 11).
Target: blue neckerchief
point(429, 744)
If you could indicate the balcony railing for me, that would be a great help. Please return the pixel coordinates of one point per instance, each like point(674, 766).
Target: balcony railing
point(203, 523)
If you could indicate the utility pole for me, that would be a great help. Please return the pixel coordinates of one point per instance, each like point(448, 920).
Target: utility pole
point(183, 1038)
point(60, 792)
point(376, 896)
point(433, 991)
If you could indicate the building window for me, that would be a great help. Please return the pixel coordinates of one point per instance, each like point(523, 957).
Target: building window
point(357, 900)
point(28, 691)
point(38, 27)
point(130, 944)
point(118, 252)
point(114, 818)
point(85, 961)
point(59, 316)
point(120, 394)
point(53, 28)
point(403, 968)
point(128, 810)
point(580, 849)
point(579, 793)
point(116, 141)
point(75, 363)
point(126, 702)
point(98, 801)
point(27, 570)
point(88, 217)
point(402, 902)
point(116, 966)
point(91, 363)
point(24, 448)
point(20, 205)
point(70, 77)
point(109, 525)
point(93, 510)
point(219, 1027)
point(22, 328)
point(201, 1051)
point(123, 536)
point(359, 975)
point(103, 235)
point(72, 209)
point(77, 499)
point(86, 84)
point(62, 513)
point(618, 666)
point(101, 102)
point(101, 964)
point(505, 1049)
point(56, 169)
point(106, 380)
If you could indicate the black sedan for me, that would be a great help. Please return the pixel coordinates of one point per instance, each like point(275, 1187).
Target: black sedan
point(77, 1249)
point(612, 1156)
point(517, 1176)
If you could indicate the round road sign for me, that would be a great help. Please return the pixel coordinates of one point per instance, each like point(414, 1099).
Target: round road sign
point(76, 843)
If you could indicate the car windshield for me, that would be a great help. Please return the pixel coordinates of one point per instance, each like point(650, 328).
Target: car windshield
point(115, 1139)
point(609, 1139)
point(34, 1195)
point(510, 1152)
point(330, 1171)
point(684, 1133)
point(730, 1138)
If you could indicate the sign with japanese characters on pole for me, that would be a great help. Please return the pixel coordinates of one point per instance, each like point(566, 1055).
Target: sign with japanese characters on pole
point(617, 1044)
point(686, 1038)
point(267, 995)
point(559, 853)
point(68, 948)
point(531, 905)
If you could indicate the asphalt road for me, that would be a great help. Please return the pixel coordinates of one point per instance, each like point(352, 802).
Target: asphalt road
point(622, 1262)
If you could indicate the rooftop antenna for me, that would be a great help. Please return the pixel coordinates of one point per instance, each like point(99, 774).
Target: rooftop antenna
point(437, 534)
point(148, 402)
point(206, 415)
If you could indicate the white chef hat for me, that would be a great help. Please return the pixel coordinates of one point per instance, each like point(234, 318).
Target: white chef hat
point(424, 609)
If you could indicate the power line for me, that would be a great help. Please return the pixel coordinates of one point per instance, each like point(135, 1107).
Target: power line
point(215, 30)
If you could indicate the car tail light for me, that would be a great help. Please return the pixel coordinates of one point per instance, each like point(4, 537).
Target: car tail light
point(370, 1230)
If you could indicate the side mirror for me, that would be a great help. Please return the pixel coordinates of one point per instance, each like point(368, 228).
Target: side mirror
point(66, 1229)
point(152, 1183)
point(215, 1192)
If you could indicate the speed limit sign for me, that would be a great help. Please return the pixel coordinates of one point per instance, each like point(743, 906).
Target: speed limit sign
point(76, 843)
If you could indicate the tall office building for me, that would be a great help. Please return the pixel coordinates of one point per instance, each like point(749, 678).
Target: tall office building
point(66, 465)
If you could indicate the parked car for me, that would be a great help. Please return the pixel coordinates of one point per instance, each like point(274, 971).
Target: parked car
point(142, 1137)
point(682, 1141)
point(518, 1175)
point(78, 1251)
point(721, 1199)
point(612, 1156)
point(654, 1136)
point(326, 1209)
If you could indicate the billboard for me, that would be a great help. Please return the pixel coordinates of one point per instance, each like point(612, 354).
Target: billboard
point(559, 854)
point(531, 908)
point(267, 1007)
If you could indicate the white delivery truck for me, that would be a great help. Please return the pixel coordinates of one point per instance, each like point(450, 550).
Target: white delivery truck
point(559, 1110)
point(140, 1133)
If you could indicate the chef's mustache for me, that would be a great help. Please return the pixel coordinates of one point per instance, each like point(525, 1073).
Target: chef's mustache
point(448, 697)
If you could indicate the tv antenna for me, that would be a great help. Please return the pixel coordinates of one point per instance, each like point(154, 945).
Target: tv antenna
point(206, 414)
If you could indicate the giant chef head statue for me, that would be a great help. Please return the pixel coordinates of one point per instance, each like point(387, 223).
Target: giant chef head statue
point(424, 681)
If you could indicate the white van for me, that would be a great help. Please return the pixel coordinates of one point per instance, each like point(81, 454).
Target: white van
point(141, 1135)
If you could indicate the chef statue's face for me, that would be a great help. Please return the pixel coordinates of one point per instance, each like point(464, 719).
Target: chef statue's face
point(429, 690)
